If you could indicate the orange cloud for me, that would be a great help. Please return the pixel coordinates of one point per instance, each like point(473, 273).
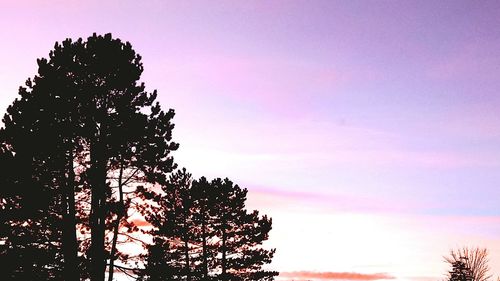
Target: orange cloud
point(336, 275)
point(140, 222)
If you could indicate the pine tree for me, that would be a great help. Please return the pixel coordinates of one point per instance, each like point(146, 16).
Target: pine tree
point(204, 198)
point(476, 259)
point(241, 235)
point(208, 222)
point(98, 135)
point(158, 263)
point(172, 222)
point(30, 229)
point(460, 271)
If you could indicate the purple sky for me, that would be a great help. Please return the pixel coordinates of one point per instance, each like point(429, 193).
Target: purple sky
point(371, 128)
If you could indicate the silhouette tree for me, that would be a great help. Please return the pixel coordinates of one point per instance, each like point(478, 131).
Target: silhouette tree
point(460, 271)
point(30, 229)
point(172, 219)
point(240, 235)
point(36, 183)
point(98, 134)
point(204, 199)
point(158, 263)
point(82, 149)
point(209, 233)
point(475, 259)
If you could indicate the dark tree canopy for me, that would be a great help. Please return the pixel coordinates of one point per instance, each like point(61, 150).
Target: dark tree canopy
point(205, 233)
point(83, 132)
point(475, 259)
point(83, 149)
point(460, 271)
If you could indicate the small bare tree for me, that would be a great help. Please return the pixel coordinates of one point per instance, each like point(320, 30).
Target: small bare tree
point(476, 259)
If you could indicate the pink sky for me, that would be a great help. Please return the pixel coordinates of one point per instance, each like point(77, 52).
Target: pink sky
point(369, 131)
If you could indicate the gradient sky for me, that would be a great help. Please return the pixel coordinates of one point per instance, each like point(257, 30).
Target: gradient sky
point(368, 130)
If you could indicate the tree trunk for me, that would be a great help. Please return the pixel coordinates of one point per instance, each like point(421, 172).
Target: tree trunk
point(186, 253)
point(205, 252)
point(97, 215)
point(119, 216)
point(186, 243)
point(70, 244)
point(224, 265)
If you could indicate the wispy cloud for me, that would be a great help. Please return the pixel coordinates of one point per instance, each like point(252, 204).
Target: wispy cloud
point(336, 275)
point(262, 197)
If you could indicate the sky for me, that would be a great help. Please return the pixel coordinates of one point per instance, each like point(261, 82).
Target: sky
point(368, 130)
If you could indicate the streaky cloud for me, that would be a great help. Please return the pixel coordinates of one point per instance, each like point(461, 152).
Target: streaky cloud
point(336, 275)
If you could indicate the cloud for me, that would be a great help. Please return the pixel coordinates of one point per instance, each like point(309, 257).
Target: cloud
point(140, 222)
point(264, 197)
point(336, 275)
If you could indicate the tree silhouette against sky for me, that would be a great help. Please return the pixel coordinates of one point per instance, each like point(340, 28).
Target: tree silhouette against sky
point(474, 259)
point(84, 110)
point(203, 231)
point(82, 148)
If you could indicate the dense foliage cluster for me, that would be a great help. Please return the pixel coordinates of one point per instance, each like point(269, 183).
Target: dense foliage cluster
point(82, 150)
point(460, 272)
point(207, 233)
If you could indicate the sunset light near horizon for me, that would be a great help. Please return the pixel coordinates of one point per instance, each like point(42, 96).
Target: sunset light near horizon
point(368, 130)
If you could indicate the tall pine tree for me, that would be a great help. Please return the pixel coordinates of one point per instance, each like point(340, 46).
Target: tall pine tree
point(87, 133)
point(240, 234)
point(210, 234)
point(173, 229)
